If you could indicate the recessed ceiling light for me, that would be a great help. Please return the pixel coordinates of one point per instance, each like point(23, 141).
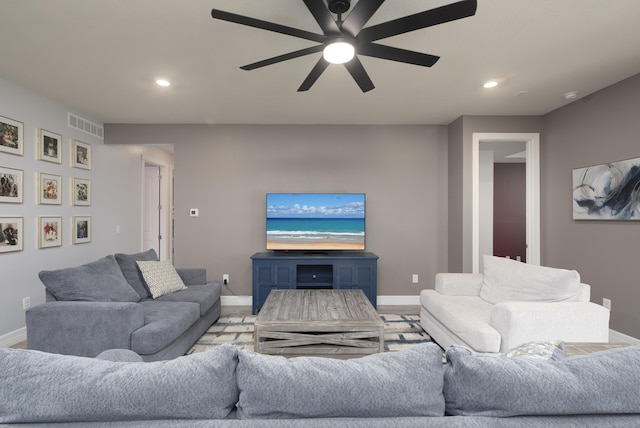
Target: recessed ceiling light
point(163, 82)
point(490, 84)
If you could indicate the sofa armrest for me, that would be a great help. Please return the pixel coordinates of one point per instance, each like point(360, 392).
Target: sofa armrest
point(459, 284)
point(193, 276)
point(82, 328)
point(522, 322)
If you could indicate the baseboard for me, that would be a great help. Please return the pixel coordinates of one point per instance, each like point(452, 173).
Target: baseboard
point(236, 300)
point(617, 337)
point(10, 339)
point(382, 300)
point(398, 300)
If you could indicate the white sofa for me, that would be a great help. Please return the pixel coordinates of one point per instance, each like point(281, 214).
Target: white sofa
point(511, 303)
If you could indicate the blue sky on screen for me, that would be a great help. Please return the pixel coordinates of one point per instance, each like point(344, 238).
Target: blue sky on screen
point(338, 205)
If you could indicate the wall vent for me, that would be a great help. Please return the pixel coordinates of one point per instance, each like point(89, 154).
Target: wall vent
point(86, 126)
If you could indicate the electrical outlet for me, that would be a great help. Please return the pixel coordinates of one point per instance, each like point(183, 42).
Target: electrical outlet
point(225, 279)
point(26, 303)
point(414, 278)
point(606, 303)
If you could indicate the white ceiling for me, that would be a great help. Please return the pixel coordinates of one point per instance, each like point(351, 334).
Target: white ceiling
point(101, 57)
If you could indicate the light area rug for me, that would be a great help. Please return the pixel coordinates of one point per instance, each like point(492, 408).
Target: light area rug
point(400, 331)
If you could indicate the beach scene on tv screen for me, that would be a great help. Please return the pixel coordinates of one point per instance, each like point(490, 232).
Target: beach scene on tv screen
point(327, 221)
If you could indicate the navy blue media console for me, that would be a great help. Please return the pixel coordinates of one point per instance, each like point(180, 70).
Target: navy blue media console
point(290, 270)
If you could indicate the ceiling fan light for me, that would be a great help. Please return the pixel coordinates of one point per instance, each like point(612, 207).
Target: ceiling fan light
point(339, 52)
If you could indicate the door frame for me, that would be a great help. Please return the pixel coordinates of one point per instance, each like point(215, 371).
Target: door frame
point(166, 198)
point(532, 141)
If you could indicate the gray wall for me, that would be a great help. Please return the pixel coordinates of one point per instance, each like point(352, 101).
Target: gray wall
point(225, 171)
point(601, 128)
point(115, 201)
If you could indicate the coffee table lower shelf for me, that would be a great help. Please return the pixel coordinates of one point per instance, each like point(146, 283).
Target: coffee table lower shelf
point(327, 323)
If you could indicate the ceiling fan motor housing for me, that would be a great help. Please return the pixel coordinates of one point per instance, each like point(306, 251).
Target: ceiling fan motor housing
point(339, 6)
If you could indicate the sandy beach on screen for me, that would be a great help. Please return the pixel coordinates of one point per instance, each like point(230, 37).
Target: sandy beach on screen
point(280, 245)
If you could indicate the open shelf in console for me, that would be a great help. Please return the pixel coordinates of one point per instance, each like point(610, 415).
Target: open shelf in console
point(314, 276)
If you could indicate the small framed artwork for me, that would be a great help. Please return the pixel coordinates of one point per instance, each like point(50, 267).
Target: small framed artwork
point(81, 229)
point(11, 136)
point(11, 234)
point(49, 189)
point(49, 146)
point(80, 155)
point(81, 189)
point(11, 185)
point(49, 232)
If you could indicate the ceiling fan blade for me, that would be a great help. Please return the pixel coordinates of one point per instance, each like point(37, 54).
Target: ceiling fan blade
point(359, 74)
point(315, 73)
point(319, 10)
point(265, 25)
point(439, 15)
point(360, 15)
point(284, 57)
point(396, 54)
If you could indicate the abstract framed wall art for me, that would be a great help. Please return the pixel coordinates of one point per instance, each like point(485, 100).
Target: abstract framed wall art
point(81, 229)
point(81, 189)
point(11, 136)
point(49, 189)
point(49, 146)
point(80, 155)
point(49, 232)
point(11, 185)
point(608, 191)
point(11, 234)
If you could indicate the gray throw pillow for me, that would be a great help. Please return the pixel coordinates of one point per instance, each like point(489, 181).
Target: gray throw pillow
point(99, 281)
point(403, 383)
point(129, 267)
point(41, 387)
point(600, 383)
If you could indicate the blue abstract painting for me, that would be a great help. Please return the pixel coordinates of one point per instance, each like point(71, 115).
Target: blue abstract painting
point(607, 192)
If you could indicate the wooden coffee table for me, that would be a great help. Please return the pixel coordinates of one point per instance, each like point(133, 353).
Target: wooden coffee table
point(327, 323)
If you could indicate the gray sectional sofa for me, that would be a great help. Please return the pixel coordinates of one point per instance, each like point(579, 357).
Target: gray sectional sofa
point(408, 388)
point(106, 304)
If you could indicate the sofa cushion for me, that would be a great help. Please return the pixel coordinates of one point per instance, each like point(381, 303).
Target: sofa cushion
point(164, 322)
point(131, 272)
point(468, 317)
point(205, 295)
point(160, 278)
point(506, 280)
point(42, 387)
point(402, 383)
point(98, 281)
point(600, 383)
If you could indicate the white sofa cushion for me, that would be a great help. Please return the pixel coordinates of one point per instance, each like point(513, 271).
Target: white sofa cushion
point(468, 317)
point(508, 280)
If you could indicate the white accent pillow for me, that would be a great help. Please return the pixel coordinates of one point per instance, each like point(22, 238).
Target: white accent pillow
point(507, 280)
point(161, 277)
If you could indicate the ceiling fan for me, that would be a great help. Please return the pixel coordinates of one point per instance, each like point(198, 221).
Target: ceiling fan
point(351, 35)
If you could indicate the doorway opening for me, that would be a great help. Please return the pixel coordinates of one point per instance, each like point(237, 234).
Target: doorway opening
point(156, 203)
point(486, 148)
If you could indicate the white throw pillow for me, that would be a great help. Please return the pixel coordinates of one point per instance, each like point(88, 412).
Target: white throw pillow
point(161, 277)
point(507, 280)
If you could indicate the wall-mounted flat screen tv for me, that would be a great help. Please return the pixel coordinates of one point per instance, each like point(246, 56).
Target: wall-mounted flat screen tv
point(315, 221)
